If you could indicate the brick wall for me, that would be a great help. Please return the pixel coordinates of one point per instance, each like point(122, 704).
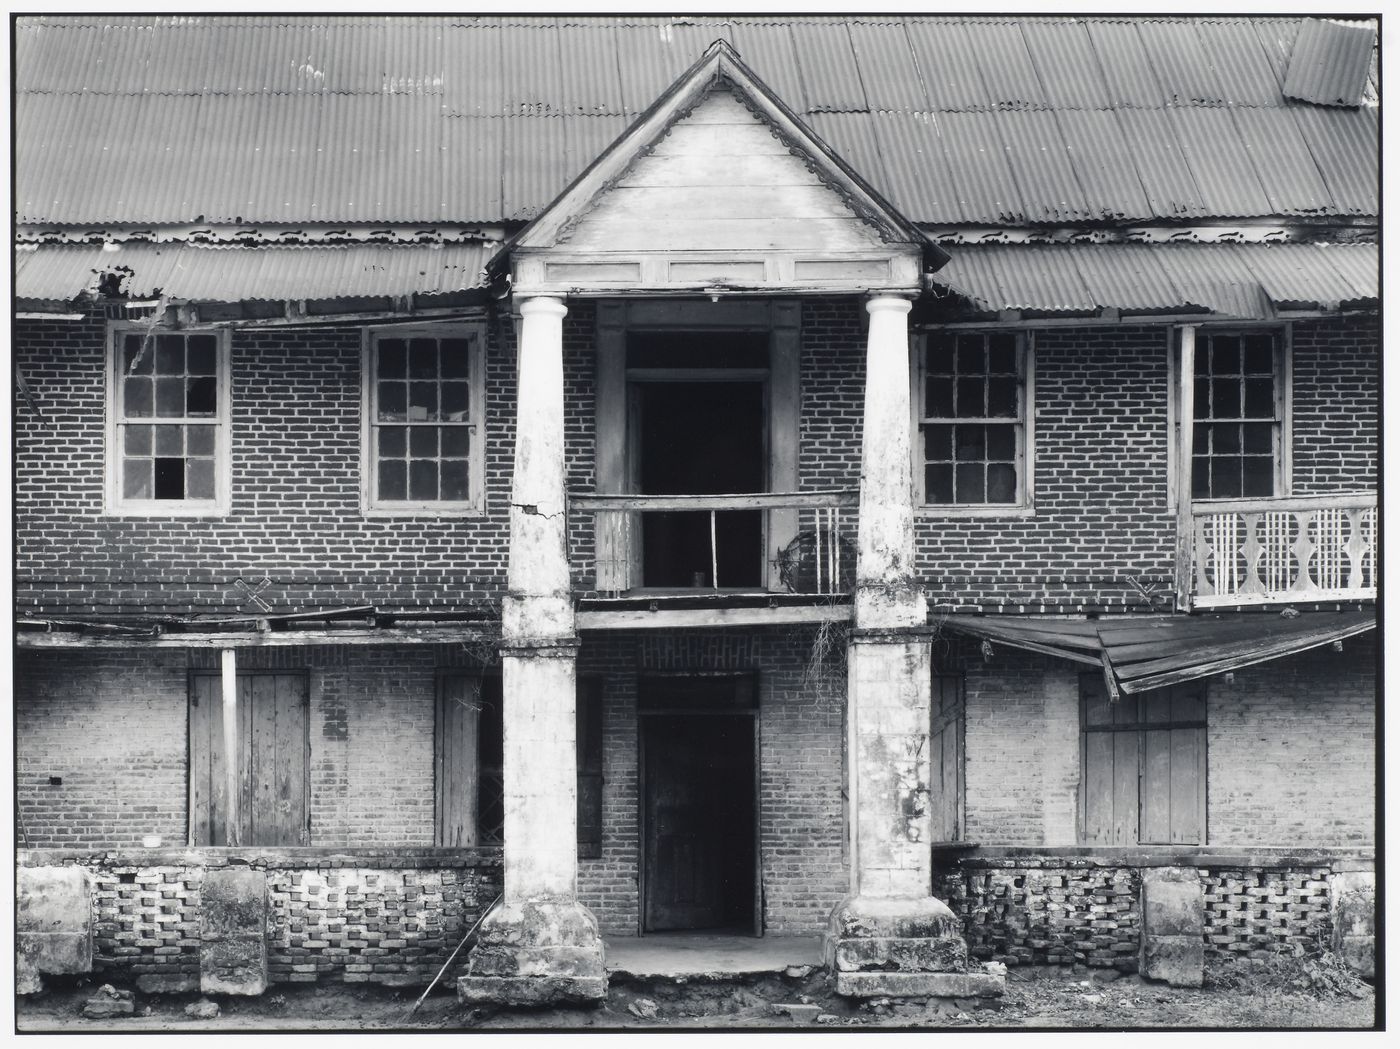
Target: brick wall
point(1021, 746)
point(802, 837)
point(386, 916)
point(1101, 515)
point(1082, 907)
point(1293, 749)
point(113, 726)
point(1335, 405)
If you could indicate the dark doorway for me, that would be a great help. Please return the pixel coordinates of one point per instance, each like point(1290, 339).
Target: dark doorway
point(699, 411)
point(699, 803)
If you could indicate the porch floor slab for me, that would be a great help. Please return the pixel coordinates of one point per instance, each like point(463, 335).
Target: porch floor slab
point(708, 954)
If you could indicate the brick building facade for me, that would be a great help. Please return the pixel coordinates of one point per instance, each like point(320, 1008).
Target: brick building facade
point(1062, 762)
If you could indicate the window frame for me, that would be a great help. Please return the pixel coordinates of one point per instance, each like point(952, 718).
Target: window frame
point(115, 504)
point(1024, 505)
point(475, 505)
point(1283, 397)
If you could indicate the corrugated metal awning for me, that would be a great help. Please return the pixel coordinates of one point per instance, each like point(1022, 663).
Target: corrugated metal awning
point(1248, 281)
point(1146, 652)
point(195, 272)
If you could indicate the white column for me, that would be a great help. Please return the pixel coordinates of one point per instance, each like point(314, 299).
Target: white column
point(538, 642)
point(537, 579)
point(886, 593)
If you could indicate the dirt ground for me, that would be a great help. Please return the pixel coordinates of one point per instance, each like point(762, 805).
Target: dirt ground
point(1034, 999)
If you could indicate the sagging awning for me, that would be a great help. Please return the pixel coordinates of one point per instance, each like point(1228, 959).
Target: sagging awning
point(1245, 281)
point(1140, 653)
point(225, 273)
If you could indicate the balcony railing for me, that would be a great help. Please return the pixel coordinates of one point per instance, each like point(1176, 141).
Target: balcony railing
point(808, 541)
point(1276, 551)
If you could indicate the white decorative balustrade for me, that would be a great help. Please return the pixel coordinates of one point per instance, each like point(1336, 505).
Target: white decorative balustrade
point(1276, 551)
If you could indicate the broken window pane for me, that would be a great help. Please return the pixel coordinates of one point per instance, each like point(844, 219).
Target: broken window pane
point(454, 401)
point(454, 361)
point(170, 354)
point(1001, 483)
point(139, 356)
point(393, 401)
point(393, 358)
point(422, 359)
point(169, 478)
point(202, 397)
point(202, 355)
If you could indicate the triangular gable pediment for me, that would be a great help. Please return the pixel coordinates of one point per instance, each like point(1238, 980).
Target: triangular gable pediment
point(718, 187)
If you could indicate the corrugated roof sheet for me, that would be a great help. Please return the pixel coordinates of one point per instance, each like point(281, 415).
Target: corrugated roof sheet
point(1329, 62)
point(1248, 281)
point(227, 274)
point(1151, 651)
point(275, 118)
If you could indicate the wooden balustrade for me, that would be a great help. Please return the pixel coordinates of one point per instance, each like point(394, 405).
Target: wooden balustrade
point(814, 554)
point(1276, 551)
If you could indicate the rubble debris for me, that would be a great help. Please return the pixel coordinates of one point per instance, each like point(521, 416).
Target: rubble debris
point(108, 1001)
point(798, 1011)
point(203, 1009)
point(643, 1008)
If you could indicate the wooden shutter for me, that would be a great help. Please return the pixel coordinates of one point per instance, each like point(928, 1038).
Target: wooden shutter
point(946, 756)
point(1109, 776)
point(457, 761)
point(272, 755)
point(1143, 780)
point(614, 549)
point(1173, 766)
point(588, 712)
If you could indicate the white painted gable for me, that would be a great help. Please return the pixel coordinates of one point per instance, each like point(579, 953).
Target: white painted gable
point(720, 179)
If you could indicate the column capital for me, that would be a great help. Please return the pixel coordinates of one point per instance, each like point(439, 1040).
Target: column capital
point(888, 304)
point(546, 305)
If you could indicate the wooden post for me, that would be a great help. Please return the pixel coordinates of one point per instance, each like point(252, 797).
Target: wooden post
point(1186, 413)
point(229, 666)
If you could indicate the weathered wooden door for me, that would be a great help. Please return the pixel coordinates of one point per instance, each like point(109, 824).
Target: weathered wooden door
point(699, 815)
point(458, 765)
point(946, 757)
point(271, 749)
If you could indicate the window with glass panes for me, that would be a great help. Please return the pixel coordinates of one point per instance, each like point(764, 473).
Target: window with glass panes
point(972, 419)
point(424, 430)
point(1238, 415)
point(169, 413)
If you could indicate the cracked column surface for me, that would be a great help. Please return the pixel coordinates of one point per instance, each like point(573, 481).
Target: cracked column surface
point(891, 936)
point(540, 945)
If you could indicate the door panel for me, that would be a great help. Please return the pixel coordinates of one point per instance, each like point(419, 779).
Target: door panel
point(699, 821)
point(271, 744)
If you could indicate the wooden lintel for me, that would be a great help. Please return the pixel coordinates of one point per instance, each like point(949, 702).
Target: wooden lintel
point(757, 501)
point(252, 639)
point(662, 619)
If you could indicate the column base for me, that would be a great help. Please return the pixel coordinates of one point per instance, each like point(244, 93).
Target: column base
point(536, 953)
point(901, 947)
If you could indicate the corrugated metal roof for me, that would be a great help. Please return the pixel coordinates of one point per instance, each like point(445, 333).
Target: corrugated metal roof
point(1329, 62)
point(274, 118)
point(230, 274)
point(1232, 280)
point(1220, 165)
point(1151, 651)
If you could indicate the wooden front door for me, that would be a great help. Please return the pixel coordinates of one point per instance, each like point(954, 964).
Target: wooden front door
point(272, 756)
point(699, 819)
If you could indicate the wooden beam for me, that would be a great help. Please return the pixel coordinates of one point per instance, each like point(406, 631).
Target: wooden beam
point(633, 619)
point(755, 501)
point(271, 639)
point(228, 661)
point(1185, 534)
